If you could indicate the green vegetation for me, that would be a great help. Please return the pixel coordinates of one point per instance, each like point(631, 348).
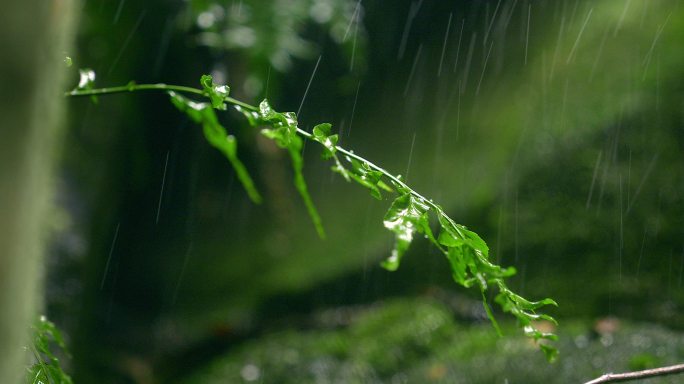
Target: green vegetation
point(46, 369)
point(409, 213)
point(552, 129)
point(418, 341)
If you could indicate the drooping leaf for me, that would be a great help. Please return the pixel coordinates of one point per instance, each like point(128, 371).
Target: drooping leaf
point(363, 174)
point(490, 314)
point(216, 135)
point(282, 128)
point(406, 215)
point(550, 352)
point(300, 184)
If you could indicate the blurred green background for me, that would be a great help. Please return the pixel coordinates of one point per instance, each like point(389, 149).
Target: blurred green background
point(551, 128)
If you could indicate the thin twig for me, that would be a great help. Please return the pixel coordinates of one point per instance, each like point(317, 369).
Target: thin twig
point(646, 373)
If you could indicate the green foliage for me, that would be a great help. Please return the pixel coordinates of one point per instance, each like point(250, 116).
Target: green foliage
point(216, 93)
point(321, 133)
point(216, 134)
point(282, 128)
point(278, 34)
point(410, 212)
point(406, 216)
point(46, 369)
point(417, 340)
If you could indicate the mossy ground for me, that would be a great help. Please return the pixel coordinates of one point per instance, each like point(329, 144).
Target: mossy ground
point(418, 340)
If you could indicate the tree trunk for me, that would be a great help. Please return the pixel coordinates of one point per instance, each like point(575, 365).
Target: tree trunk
point(34, 36)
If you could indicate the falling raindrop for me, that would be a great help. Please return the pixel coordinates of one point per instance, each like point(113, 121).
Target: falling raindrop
point(484, 68)
point(579, 35)
point(118, 11)
point(413, 11)
point(527, 34)
point(652, 164)
point(491, 22)
point(408, 165)
point(641, 253)
point(126, 42)
point(446, 37)
point(351, 120)
point(109, 258)
point(458, 49)
point(649, 55)
point(413, 69)
point(351, 21)
point(161, 192)
point(182, 273)
point(622, 18)
point(299, 110)
point(593, 179)
point(469, 58)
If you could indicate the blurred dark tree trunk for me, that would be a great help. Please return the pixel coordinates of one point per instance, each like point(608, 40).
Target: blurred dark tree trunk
point(34, 34)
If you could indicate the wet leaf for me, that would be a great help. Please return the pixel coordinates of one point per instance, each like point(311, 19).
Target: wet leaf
point(321, 134)
point(216, 135)
point(282, 128)
point(46, 368)
point(406, 215)
point(550, 352)
point(217, 93)
point(363, 174)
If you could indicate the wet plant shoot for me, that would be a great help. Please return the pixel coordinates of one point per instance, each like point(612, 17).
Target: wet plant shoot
point(409, 214)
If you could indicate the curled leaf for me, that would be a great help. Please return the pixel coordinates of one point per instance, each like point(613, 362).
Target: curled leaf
point(217, 93)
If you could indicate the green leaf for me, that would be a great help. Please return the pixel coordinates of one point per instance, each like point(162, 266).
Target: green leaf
point(282, 128)
point(300, 184)
point(406, 215)
point(217, 136)
point(363, 174)
point(216, 93)
point(253, 117)
point(46, 368)
point(490, 314)
point(550, 352)
point(321, 134)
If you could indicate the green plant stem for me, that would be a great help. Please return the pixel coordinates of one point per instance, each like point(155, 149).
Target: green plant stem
point(483, 272)
point(150, 87)
point(230, 100)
